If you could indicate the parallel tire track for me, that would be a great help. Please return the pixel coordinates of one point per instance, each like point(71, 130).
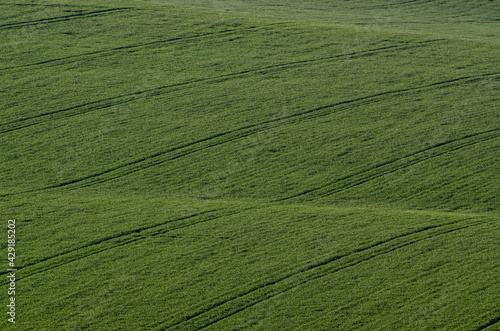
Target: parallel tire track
point(228, 136)
point(388, 167)
point(490, 323)
point(48, 5)
point(118, 240)
point(114, 101)
point(62, 18)
point(394, 4)
point(232, 304)
point(130, 48)
point(126, 98)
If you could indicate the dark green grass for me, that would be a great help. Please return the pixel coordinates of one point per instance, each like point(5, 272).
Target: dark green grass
point(216, 259)
point(252, 165)
point(470, 18)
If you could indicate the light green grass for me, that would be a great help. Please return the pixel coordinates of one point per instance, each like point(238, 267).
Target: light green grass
point(259, 165)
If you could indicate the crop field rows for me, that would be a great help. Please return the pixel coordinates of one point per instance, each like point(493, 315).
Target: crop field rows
point(163, 156)
point(230, 165)
point(231, 303)
point(254, 296)
point(114, 101)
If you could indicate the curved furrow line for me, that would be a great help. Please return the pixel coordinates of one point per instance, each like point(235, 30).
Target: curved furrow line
point(157, 160)
point(388, 167)
point(394, 4)
point(105, 240)
point(416, 158)
point(48, 5)
point(118, 240)
point(294, 64)
point(228, 136)
point(131, 48)
point(125, 98)
point(369, 99)
point(62, 18)
point(121, 99)
point(135, 96)
point(145, 162)
point(164, 156)
point(488, 324)
point(233, 304)
point(376, 97)
point(68, 112)
point(170, 155)
point(93, 106)
point(357, 54)
point(152, 160)
point(263, 294)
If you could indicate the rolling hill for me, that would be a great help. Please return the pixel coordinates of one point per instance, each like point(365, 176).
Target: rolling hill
point(260, 165)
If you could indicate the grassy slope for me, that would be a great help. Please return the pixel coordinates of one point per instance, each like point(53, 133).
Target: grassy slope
point(231, 164)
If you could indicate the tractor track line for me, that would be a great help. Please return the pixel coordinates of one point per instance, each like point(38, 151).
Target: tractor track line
point(160, 161)
point(62, 18)
point(400, 163)
point(268, 293)
point(138, 161)
point(251, 129)
point(313, 277)
point(109, 238)
point(398, 3)
point(246, 131)
point(135, 96)
point(115, 50)
point(51, 5)
point(151, 158)
point(417, 161)
point(229, 136)
point(121, 239)
point(114, 101)
point(107, 102)
point(490, 323)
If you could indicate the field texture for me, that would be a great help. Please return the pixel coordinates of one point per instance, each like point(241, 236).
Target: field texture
point(251, 165)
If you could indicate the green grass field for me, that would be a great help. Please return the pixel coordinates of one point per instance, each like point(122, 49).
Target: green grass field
point(251, 165)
